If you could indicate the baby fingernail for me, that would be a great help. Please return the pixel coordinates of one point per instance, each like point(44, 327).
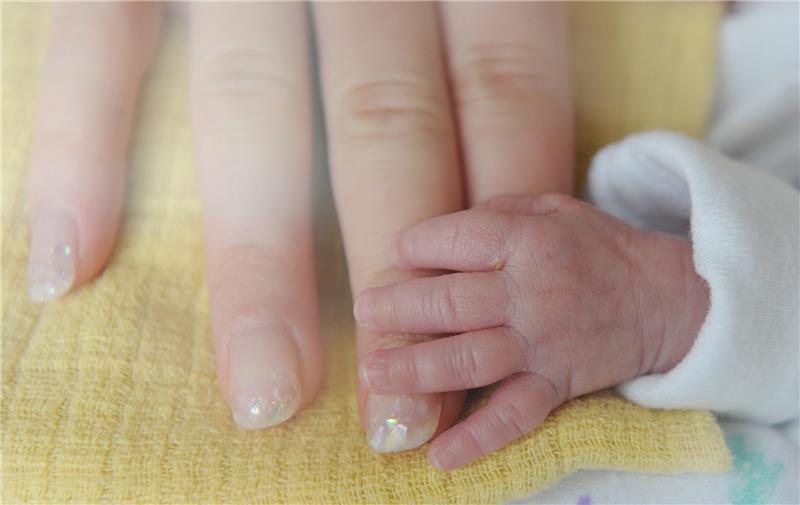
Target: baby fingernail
point(444, 460)
point(373, 374)
point(263, 376)
point(53, 255)
point(401, 422)
point(362, 310)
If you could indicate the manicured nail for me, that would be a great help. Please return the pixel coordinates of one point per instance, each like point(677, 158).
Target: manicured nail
point(401, 422)
point(53, 255)
point(263, 378)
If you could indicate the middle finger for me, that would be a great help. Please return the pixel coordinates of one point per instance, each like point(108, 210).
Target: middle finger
point(394, 163)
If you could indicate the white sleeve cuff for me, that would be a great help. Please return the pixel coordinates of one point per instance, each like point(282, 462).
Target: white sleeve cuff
point(744, 229)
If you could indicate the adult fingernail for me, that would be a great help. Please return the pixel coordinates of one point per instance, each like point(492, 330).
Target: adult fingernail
point(53, 255)
point(401, 422)
point(263, 378)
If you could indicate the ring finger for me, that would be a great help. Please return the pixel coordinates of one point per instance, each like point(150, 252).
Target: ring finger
point(251, 118)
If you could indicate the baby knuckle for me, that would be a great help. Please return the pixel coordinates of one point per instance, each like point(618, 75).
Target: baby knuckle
point(385, 108)
point(553, 202)
point(465, 365)
point(510, 419)
point(237, 85)
point(481, 226)
point(479, 436)
point(458, 237)
point(526, 351)
point(447, 304)
point(412, 373)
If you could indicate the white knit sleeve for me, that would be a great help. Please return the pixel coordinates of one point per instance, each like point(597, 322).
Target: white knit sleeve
point(744, 230)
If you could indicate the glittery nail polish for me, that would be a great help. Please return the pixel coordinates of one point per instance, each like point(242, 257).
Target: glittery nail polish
point(401, 422)
point(53, 255)
point(263, 378)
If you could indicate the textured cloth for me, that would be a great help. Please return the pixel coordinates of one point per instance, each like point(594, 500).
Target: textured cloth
point(110, 394)
point(764, 470)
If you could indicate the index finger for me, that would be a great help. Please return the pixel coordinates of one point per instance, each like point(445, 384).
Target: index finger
point(393, 163)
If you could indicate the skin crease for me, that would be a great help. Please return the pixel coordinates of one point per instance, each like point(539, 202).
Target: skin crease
point(548, 293)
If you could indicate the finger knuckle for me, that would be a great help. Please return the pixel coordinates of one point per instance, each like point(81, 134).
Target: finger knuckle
point(458, 238)
point(446, 304)
point(478, 436)
point(465, 364)
point(240, 86)
point(510, 419)
point(553, 202)
point(385, 108)
point(526, 352)
point(499, 74)
point(404, 368)
point(488, 227)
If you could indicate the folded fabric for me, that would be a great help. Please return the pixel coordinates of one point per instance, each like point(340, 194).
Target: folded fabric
point(744, 228)
point(110, 394)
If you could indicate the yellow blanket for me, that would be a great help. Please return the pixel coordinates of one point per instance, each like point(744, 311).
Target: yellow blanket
point(109, 395)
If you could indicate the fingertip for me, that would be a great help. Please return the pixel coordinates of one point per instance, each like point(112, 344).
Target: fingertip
point(443, 459)
point(363, 309)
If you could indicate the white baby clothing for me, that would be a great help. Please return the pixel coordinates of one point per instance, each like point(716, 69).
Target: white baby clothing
point(736, 196)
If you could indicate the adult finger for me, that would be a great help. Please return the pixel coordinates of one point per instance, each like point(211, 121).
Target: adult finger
point(87, 97)
point(394, 163)
point(464, 361)
point(252, 127)
point(509, 69)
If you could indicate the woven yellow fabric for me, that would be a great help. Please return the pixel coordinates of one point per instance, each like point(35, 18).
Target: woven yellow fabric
point(109, 395)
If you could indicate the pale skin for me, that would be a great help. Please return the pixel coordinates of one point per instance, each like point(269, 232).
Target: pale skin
point(430, 108)
point(549, 295)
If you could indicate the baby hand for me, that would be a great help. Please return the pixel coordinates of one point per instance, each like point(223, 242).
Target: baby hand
point(550, 295)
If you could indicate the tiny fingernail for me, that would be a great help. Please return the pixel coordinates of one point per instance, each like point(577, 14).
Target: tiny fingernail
point(373, 374)
point(401, 422)
point(53, 255)
point(263, 376)
point(362, 310)
point(443, 460)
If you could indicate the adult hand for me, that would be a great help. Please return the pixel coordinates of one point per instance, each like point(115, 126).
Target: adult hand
point(252, 128)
